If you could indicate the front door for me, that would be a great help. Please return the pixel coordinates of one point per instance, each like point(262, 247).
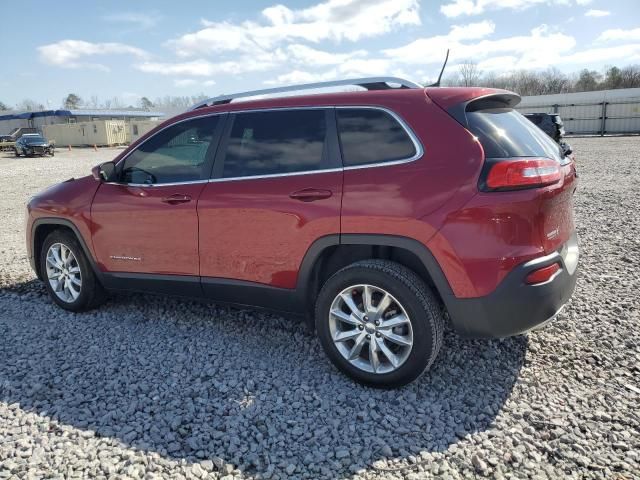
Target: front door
point(277, 188)
point(147, 221)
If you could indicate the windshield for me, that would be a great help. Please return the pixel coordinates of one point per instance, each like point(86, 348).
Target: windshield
point(29, 140)
point(505, 133)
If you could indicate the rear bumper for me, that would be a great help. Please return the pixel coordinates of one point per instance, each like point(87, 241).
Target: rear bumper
point(515, 307)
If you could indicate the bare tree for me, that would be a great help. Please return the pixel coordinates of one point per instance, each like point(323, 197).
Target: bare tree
point(29, 105)
point(3, 107)
point(469, 73)
point(94, 101)
point(630, 76)
point(554, 81)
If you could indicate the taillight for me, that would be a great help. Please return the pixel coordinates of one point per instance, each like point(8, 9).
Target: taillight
point(518, 173)
point(543, 274)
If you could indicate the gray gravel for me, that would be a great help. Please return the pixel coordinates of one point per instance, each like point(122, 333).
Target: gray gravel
point(151, 387)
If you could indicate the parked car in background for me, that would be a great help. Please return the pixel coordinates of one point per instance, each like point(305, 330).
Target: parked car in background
point(6, 143)
point(33, 144)
point(351, 209)
point(552, 125)
point(549, 123)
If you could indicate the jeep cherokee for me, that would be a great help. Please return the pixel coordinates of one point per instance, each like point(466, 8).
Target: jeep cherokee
point(377, 214)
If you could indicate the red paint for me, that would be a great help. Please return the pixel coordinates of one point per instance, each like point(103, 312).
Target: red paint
point(252, 230)
point(256, 230)
point(135, 222)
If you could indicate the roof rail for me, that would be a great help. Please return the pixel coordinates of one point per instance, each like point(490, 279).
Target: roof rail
point(370, 83)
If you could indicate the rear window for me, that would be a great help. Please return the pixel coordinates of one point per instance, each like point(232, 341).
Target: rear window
point(276, 142)
point(372, 136)
point(505, 133)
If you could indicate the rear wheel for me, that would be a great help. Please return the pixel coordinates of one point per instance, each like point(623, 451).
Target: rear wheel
point(68, 276)
point(15, 150)
point(379, 323)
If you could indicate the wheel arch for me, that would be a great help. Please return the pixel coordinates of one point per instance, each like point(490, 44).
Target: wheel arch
point(43, 227)
point(331, 253)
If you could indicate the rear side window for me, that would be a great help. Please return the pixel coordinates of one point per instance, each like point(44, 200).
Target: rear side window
point(276, 142)
point(372, 136)
point(505, 133)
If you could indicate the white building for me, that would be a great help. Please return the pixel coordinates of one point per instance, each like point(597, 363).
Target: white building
point(13, 120)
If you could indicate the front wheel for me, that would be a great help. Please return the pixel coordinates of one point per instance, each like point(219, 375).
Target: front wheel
point(68, 275)
point(379, 323)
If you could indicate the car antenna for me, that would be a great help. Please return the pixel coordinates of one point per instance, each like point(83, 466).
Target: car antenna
point(437, 84)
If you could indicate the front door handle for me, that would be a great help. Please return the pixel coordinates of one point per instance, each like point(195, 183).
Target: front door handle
point(310, 194)
point(177, 198)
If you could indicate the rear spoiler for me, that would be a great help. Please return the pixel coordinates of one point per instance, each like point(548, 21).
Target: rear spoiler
point(457, 101)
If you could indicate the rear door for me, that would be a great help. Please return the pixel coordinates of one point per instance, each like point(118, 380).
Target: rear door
point(147, 221)
point(277, 188)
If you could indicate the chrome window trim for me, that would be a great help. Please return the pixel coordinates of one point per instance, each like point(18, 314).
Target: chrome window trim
point(414, 139)
point(158, 185)
point(276, 175)
point(416, 143)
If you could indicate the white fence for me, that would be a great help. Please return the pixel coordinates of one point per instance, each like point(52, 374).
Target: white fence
point(591, 113)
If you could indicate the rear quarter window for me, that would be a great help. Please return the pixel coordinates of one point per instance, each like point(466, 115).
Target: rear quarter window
point(505, 133)
point(372, 136)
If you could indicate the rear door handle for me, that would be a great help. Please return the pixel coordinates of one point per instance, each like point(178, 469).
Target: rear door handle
point(177, 198)
point(310, 194)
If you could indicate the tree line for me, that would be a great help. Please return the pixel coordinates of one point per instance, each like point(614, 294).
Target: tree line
point(552, 80)
point(74, 101)
point(468, 74)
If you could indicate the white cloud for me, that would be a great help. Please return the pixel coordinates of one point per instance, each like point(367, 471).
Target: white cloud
point(298, 76)
point(456, 8)
point(627, 53)
point(619, 34)
point(335, 20)
point(189, 82)
point(583, 2)
point(597, 13)
point(184, 82)
point(74, 53)
point(143, 21)
point(205, 68)
point(311, 56)
point(472, 31)
point(542, 47)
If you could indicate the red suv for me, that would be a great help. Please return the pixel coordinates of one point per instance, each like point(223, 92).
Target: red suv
point(372, 213)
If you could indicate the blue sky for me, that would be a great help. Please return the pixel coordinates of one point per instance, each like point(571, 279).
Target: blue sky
point(156, 48)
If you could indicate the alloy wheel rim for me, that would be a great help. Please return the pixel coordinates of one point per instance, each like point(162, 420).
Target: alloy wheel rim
point(63, 272)
point(370, 328)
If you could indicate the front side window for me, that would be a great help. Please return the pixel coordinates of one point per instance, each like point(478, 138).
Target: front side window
point(372, 136)
point(275, 142)
point(176, 154)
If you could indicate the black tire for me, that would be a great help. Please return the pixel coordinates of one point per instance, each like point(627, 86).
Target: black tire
point(15, 150)
point(420, 303)
point(92, 294)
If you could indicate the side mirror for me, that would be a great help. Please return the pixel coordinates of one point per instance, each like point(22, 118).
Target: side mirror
point(105, 172)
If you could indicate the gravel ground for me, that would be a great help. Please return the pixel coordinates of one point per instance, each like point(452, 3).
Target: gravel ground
point(151, 387)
